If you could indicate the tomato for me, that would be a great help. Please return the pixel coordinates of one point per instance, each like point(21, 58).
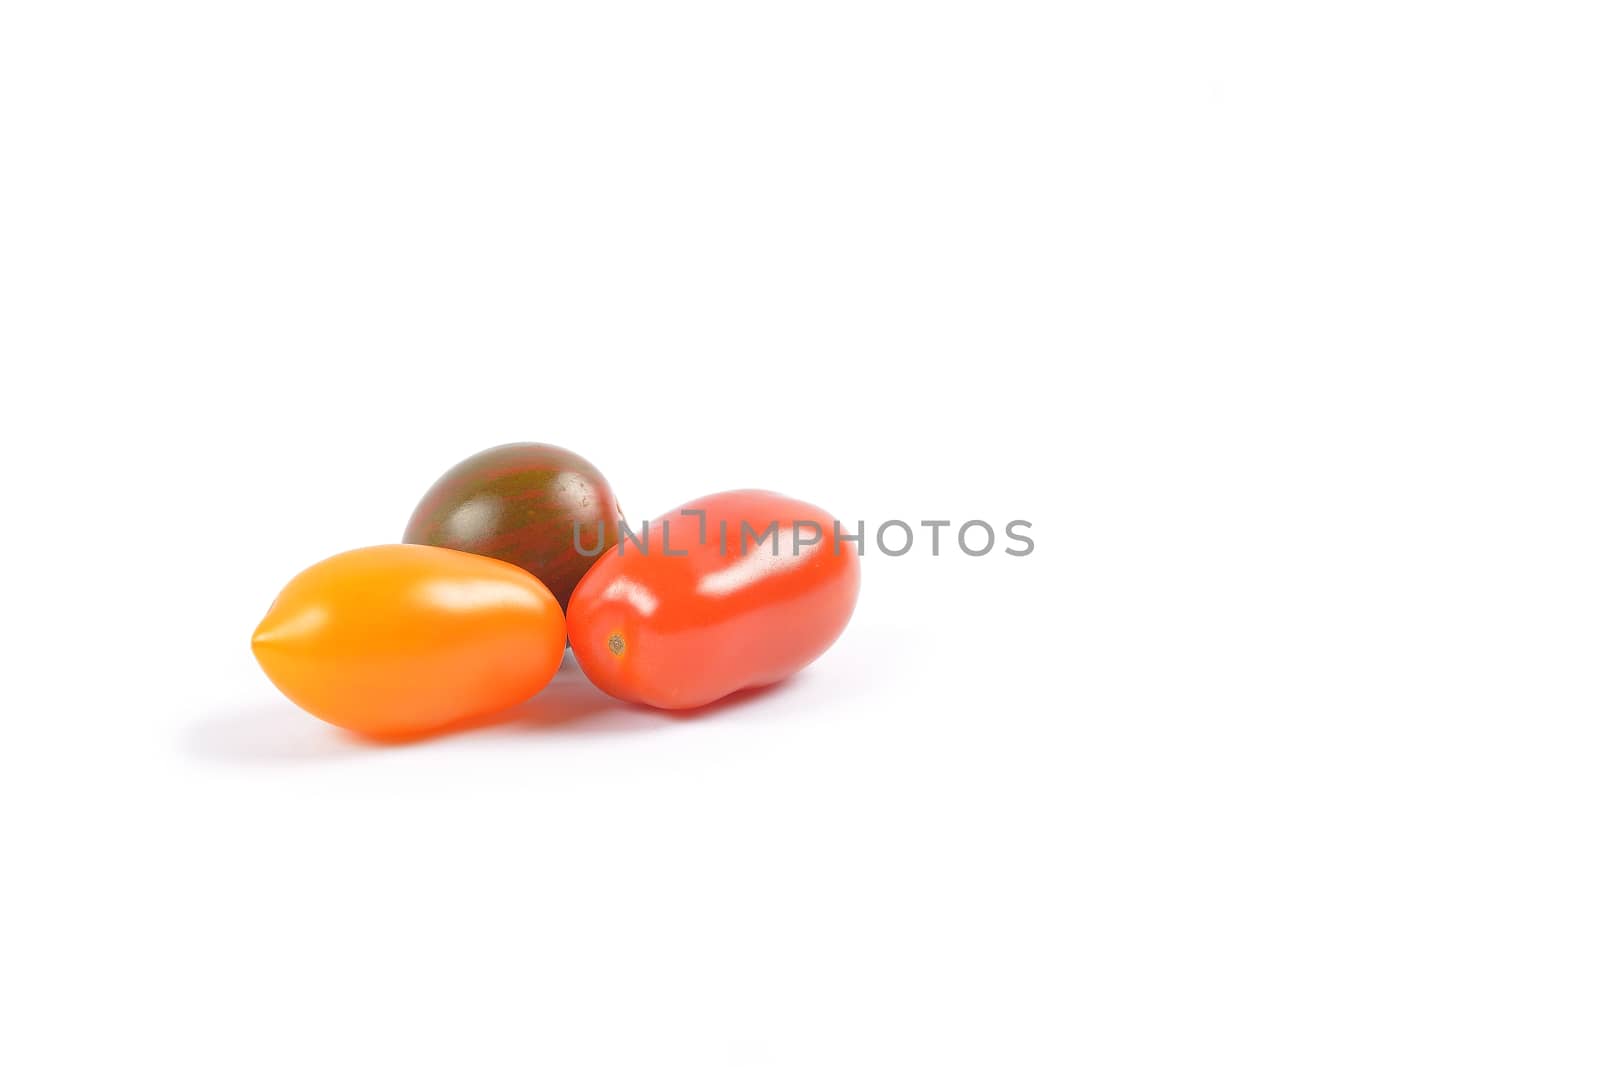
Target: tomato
point(520, 503)
point(731, 591)
point(407, 639)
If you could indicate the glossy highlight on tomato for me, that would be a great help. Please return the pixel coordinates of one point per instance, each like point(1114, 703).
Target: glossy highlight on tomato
point(520, 503)
point(730, 592)
point(399, 640)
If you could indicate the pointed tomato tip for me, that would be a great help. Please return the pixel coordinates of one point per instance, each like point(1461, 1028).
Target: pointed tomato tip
point(264, 628)
point(261, 640)
point(283, 629)
point(263, 633)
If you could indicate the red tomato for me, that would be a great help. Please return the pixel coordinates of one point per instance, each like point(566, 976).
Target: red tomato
point(705, 605)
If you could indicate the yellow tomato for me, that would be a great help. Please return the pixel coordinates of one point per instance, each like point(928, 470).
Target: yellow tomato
point(407, 639)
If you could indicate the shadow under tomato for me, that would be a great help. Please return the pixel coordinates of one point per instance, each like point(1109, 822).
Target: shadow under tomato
point(266, 734)
point(570, 704)
point(731, 702)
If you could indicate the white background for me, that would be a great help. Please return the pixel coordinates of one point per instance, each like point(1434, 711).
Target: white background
point(1278, 321)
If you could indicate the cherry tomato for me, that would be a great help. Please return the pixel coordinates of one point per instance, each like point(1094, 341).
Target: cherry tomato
point(731, 591)
point(527, 504)
point(407, 639)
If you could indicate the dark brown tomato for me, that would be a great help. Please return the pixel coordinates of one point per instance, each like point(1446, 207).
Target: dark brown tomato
point(521, 503)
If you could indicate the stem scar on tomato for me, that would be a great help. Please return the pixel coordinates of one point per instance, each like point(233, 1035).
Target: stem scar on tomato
point(616, 644)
